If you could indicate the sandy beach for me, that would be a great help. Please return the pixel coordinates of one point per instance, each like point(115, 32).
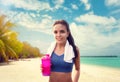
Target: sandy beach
point(28, 70)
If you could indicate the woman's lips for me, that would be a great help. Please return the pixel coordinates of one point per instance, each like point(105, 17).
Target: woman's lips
point(59, 39)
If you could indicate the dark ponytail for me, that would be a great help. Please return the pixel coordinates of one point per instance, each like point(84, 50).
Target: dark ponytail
point(70, 37)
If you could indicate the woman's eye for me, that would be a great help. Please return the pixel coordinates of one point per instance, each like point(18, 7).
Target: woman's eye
point(55, 32)
point(62, 31)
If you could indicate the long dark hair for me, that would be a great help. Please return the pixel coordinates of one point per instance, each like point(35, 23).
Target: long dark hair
point(70, 37)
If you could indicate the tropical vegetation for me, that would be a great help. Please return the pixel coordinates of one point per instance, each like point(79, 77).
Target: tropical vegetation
point(10, 46)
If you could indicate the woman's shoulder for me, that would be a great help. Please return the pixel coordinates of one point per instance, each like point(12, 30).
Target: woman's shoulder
point(78, 51)
point(77, 48)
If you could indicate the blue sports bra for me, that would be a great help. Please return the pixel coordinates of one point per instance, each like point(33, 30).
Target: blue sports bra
point(59, 65)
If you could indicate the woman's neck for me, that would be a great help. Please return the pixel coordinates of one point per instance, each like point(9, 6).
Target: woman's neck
point(60, 45)
point(60, 48)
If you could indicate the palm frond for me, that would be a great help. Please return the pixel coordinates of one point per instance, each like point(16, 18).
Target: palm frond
point(11, 52)
point(2, 20)
point(6, 27)
point(3, 54)
point(2, 51)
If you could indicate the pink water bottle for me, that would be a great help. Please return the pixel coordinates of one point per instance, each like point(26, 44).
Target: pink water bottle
point(46, 65)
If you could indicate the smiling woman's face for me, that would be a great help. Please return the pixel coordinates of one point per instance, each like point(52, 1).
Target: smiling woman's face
point(60, 33)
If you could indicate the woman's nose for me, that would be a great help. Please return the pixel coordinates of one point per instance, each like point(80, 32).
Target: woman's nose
point(58, 34)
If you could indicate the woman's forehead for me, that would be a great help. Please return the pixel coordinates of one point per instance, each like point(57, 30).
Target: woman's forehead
point(59, 27)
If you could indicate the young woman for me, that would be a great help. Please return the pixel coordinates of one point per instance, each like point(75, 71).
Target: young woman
point(61, 69)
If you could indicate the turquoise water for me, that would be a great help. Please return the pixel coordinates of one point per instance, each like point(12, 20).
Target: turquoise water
point(103, 61)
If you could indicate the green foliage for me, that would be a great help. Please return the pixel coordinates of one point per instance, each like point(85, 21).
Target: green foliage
point(28, 51)
point(2, 52)
point(10, 46)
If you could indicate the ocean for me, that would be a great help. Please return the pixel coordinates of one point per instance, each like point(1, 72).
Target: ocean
point(113, 62)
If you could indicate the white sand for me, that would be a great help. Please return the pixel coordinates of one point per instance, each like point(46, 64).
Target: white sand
point(90, 73)
point(29, 71)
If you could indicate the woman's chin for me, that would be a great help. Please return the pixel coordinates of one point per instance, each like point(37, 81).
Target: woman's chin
point(59, 42)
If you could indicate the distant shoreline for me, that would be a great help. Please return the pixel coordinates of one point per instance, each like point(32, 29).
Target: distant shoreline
point(99, 56)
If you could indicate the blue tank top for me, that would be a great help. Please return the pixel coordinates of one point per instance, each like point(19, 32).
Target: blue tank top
point(59, 65)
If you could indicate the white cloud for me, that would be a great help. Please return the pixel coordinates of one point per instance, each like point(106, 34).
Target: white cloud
point(89, 40)
point(58, 3)
point(74, 6)
point(27, 4)
point(113, 3)
point(115, 12)
point(94, 19)
point(31, 21)
point(47, 16)
point(87, 4)
point(114, 7)
point(7, 13)
point(27, 21)
point(90, 37)
point(32, 15)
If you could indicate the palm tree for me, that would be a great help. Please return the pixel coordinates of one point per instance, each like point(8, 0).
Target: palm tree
point(6, 51)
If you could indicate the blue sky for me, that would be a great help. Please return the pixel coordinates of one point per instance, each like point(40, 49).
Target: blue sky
point(95, 24)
